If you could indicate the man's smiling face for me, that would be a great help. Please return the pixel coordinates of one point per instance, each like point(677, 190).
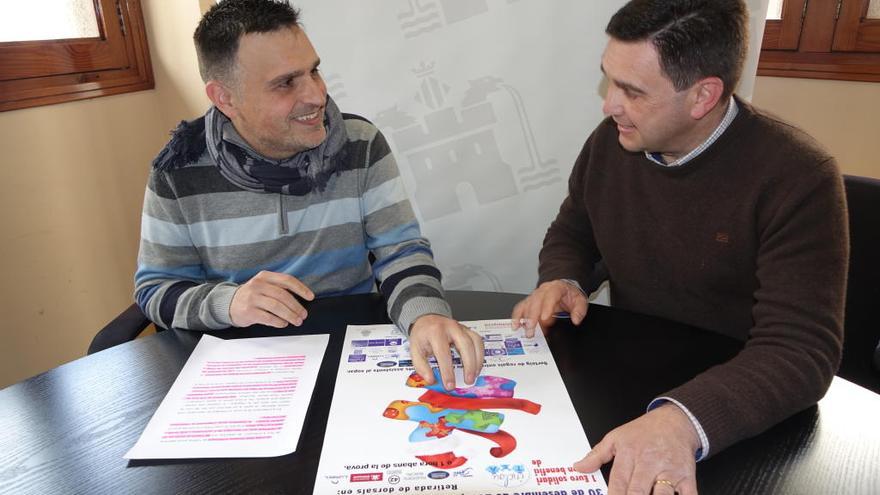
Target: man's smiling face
point(278, 96)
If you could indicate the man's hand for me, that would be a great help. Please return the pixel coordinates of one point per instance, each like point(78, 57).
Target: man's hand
point(267, 299)
point(431, 335)
point(660, 445)
point(550, 298)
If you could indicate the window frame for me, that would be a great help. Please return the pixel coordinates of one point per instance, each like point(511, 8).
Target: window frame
point(784, 34)
point(44, 72)
point(825, 40)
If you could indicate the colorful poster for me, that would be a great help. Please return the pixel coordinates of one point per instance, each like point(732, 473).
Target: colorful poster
point(514, 431)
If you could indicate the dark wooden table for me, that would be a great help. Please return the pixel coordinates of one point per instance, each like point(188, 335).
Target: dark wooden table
point(66, 430)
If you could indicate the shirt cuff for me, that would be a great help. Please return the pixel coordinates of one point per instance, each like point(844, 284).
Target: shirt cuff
point(703, 451)
point(573, 282)
point(420, 306)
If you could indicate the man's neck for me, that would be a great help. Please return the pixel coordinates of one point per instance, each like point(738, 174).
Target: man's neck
point(237, 137)
point(701, 131)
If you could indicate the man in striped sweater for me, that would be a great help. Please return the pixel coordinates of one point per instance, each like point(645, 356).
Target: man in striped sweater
point(274, 193)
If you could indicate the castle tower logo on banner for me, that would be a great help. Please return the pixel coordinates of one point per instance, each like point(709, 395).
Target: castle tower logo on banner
point(449, 145)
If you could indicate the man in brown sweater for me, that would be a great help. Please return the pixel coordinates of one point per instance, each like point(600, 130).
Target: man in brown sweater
point(705, 211)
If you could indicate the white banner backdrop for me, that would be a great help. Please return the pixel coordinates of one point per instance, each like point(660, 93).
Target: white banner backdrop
point(485, 103)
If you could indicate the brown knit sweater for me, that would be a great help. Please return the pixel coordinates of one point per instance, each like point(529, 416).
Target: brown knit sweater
point(748, 239)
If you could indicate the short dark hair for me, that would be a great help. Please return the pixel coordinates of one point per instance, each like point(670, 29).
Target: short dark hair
point(218, 33)
point(693, 38)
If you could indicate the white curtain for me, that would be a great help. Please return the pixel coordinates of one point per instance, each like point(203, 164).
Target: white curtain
point(485, 103)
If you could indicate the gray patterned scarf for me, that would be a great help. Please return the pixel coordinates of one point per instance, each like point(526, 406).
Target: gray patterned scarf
point(298, 175)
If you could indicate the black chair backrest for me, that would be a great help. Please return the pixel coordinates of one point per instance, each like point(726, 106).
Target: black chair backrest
point(861, 354)
point(125, 327)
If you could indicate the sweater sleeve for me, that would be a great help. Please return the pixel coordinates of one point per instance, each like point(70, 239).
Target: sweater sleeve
point(569, 250)
point(404, 266)
point(793, 349)
point(171, 287)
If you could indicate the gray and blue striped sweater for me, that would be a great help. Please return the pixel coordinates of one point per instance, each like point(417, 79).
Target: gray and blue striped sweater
point(202, 236)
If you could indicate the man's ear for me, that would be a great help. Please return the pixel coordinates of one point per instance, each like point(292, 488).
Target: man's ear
point(706, 94)
point(221, 96)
